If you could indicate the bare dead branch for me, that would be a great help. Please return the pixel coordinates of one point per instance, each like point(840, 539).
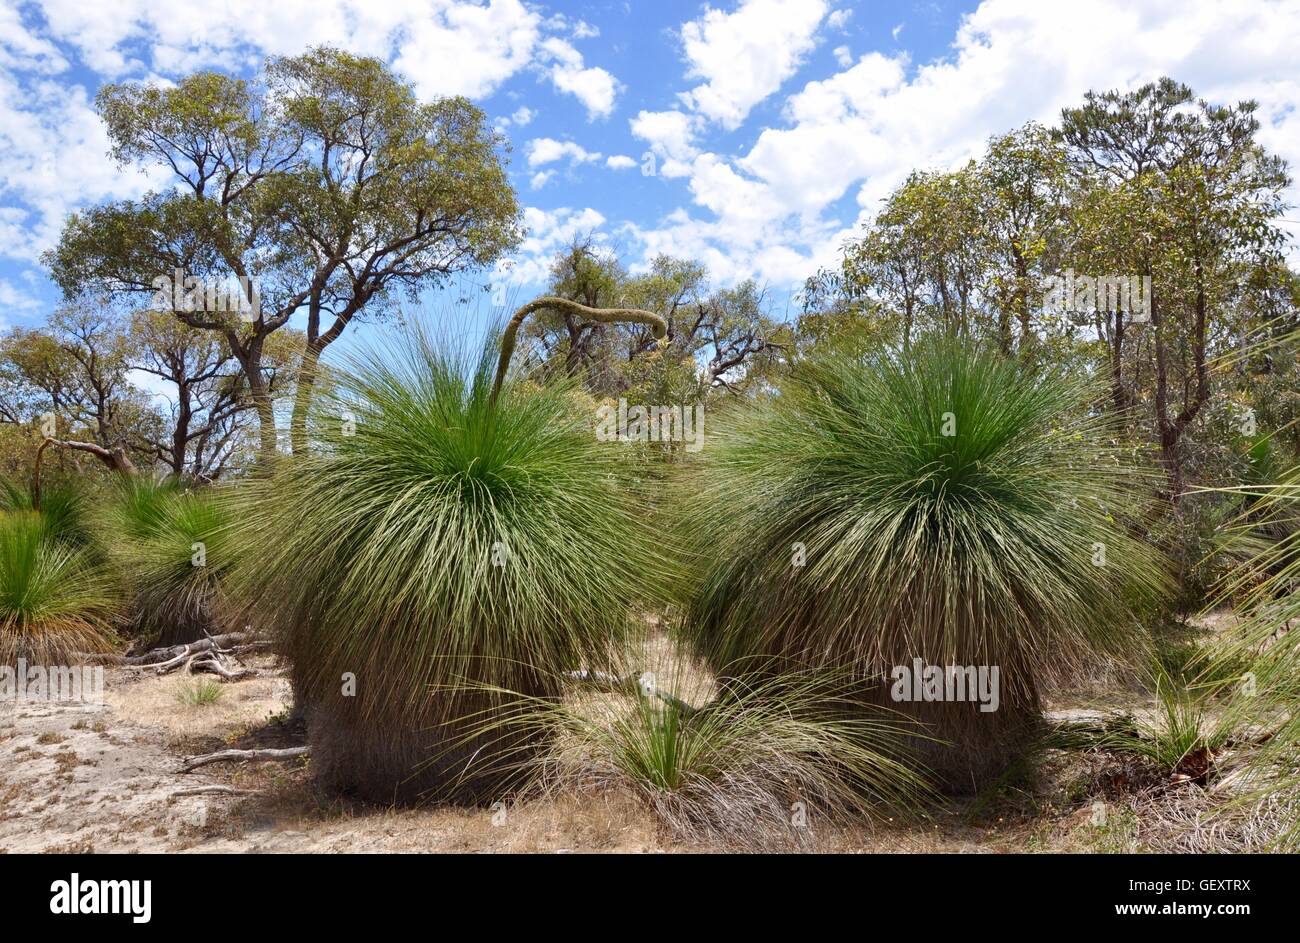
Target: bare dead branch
point(242, 756)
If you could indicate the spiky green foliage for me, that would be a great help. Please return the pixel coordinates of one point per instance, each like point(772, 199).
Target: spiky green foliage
point(435, 543)
point(199, 693)
point(173, 548)
point(64, 509)
point(138, 505)
point(1267, 693)
point(758, 765)
point(1182, 737)
point(946, 505)
point(54, 602)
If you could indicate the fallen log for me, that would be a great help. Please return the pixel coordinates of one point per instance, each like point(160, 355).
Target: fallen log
point(632, 684)
point(214, 666)
point(213, 790)
point(239, 756)
point(178, 653)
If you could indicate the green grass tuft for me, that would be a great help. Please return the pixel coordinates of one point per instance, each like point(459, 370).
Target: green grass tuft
point(757, 766)
point(199, 693)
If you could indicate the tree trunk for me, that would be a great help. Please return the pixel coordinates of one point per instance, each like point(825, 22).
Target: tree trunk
point(265, 422)
point(181, 434)
point(1169, 433)
point(1022, 304)
point(250, 359)
point(302, 398)
point(1117, 365)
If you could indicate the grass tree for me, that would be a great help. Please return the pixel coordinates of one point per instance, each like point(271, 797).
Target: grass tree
point(61, 507)
point(172, 547)
point(457, 532)
point(947, 506)
point(54, 601)
point(1260, 654)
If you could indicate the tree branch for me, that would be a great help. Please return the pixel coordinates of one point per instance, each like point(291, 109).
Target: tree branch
point(603, 315)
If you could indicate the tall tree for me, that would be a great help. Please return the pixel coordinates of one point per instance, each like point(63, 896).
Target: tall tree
point(325, 187)
point(72, 378)
point(1203, 195)
point(205, 392)
point(1024, 178)
point(925, 257)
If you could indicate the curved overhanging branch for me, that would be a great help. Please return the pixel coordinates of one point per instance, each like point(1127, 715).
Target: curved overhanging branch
point(115, 458)
point(604, 315)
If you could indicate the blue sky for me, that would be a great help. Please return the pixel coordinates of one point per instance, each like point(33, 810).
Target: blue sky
point(773, 127)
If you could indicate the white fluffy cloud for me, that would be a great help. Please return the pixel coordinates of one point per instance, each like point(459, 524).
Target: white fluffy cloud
point(13, 298)
point(745, 55)
point(839, 19)
point(592, 86)
point(488, 42)
point(542, 151)
point(53, 158)
point(619, 162)
point(546, 232)
point(670, 135)
point(488, 45)
point(22, 49)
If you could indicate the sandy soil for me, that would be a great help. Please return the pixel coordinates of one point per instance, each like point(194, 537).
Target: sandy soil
point(105, 778)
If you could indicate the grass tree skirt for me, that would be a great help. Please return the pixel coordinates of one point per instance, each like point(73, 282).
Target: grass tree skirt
point(943, 509)
point(959, 724)
point(962, 747)
point(407, 730)
point(445, 551)
point(423, 757)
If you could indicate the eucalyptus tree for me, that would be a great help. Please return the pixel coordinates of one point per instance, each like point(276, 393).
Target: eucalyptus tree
point(1186, 196)
point(71, 378)
point(924, 257)
point(323, 186)
point(1025, 188)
